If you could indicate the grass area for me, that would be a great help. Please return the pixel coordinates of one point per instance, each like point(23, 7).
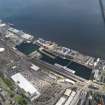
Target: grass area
point(3, 84)
point(7, 82)
point(21, 100)
point(9, 86)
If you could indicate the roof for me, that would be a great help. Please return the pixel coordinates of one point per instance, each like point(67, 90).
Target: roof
point(34, 67)
point(13, 30)
point(2, 49)
point(2, 25)
point(26, 36)
point(24, 84)
point(61, 101)
point(67, 92)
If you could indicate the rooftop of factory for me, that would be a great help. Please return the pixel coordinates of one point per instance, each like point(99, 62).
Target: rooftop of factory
point(24, 84)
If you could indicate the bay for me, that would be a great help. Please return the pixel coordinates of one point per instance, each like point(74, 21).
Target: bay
point(76, 24)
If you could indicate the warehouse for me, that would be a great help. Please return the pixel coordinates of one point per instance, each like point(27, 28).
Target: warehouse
point(24, 84)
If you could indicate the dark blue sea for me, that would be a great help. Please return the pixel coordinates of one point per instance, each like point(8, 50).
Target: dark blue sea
point(77, 24)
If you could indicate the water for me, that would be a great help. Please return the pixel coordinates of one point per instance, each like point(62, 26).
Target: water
point(27, 48)
point(80, 70)
point(77, 24)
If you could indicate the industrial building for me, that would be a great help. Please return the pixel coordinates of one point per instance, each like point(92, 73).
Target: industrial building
point(24, 84)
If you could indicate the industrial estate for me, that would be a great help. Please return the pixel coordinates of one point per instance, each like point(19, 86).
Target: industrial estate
point(34, 71)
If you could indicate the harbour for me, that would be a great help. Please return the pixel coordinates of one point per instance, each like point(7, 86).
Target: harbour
point(39, 62)
point(80, 70)
point(63, 59)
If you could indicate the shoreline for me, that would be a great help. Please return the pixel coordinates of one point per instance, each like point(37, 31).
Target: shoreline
point(17, 37)
point(37, 38)
point(93, 52)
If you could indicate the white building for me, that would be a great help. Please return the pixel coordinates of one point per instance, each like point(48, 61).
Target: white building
point(2, 49)
point(27, 36)
point(34, 67)
point(24, 84)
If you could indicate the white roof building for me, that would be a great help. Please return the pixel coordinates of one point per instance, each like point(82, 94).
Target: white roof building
point(34, 67)
point(61, 101)
point(2, 25)
point(67, 92)
point(13, 30)
point(26, 36)
point(24, 84)
point(2, 49)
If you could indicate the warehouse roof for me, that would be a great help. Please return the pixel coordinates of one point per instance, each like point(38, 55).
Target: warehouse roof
point(24, 84)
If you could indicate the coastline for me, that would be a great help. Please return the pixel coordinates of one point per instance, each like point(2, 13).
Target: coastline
point(18, 37)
